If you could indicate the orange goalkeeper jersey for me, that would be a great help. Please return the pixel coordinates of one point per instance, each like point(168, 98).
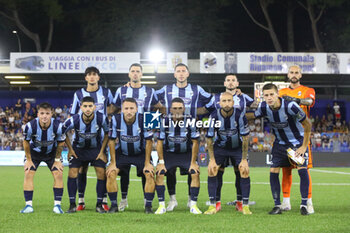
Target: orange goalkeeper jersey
point(301, 92)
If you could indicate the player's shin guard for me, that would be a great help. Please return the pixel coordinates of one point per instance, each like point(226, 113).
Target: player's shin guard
point(149, 199)
point(81, 184)
point(245, 187)
point(124, 185)
point(286, 181)
point(72, 189)
point(212, 185)
point(194, 194)
point(113, 198)
point(58, 193)
point(238, 185)
point(100, 190)
point(171, 182)
point(219, 185)
point(160, 193)
point(28, 197)
point(275, 188)
point(304, 185)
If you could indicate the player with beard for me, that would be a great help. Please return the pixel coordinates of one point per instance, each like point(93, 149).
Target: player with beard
point(305, 97)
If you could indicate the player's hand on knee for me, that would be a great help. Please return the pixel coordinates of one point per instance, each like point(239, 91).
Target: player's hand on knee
point(57, 165)
point(28, 165)
point(300, 151)
point(194, 168)
point(102, 156)
point(110, 169)
point(160, 169)
point(148, 169)
point(244, 167)
point(212, 168)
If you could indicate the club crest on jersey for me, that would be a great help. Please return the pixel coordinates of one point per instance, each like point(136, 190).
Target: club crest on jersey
point(129, 139)
point(177, 139)
point(97, 127)
point(103, 98)
point(299, 93)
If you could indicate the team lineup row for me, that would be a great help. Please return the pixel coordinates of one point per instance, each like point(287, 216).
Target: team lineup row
point(130, 143)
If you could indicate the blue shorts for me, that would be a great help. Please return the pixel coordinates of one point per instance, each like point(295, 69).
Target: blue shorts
point(181, 160)
point(123, 162)
point(86, 156)
point(222, 156)
point(280, 156)
point(38, 157)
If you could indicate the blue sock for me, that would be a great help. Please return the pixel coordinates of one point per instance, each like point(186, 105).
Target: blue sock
point(72, 189)
point(219, 185)
point(100, 190)
point(304, 185)
point(194, 193)
point(245, 187)
point(124, 185)
point(275, 188)
point(58, 193)
point(113, 197)
point(238, 186)
point(171, 182)
point(212, 186)
point(28, 195)
point(149, 199)
point(81, 184)
point(160, 192)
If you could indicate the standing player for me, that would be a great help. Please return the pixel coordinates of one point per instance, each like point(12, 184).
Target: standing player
point(132, 149)
point(292, 129)
point(228, 145)
point(180, 145)
point(103, 97)
point(193, 97)
point(88, 147)
point(146, 99)
point(305, 97)
point(43, 141)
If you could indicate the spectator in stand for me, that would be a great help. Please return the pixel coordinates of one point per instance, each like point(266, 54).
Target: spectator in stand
point(325, 141)
point(336, 143)
point(318, 140)
point(18, 106)
point(329, 112)
point(344, 128)
point(336, 108)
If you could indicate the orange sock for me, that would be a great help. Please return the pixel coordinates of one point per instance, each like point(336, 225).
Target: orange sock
point(310, 185)
point(286, 181)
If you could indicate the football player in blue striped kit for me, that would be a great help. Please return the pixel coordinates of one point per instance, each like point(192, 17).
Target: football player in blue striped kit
point(292, 129)
point(88, 147)
point(146, 101)
point(194, 96)
point(231, 143)
point(43, 141)
point(134, 148)
point(103, 99)
point(241, 101)
point(177, 146)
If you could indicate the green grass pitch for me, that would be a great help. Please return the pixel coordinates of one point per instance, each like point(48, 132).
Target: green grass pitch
point(330, 197)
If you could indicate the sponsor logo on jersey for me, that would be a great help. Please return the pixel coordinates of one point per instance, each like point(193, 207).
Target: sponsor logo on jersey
point(87, 135)
point(228, 132)
point(129, 139)
point(279, 125)
point(177, 139)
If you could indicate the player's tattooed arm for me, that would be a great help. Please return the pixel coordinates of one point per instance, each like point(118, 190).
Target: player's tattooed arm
point(245, 142)
point(212, 166)
point(29, 163)
point(307, 132)
point(195, 147)
point(71, 152)
point(112, 165)
point(160, 169)
point(58, 164)
point(148, 165)
point(102, 154)
point(306, 101)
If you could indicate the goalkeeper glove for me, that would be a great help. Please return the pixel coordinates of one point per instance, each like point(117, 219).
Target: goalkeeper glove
point(289, 98)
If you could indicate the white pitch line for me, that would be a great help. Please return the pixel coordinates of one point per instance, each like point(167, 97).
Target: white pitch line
point(228, 182)
point(333, 172)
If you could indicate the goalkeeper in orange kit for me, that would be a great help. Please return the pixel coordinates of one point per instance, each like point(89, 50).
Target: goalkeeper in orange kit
point(305, 97)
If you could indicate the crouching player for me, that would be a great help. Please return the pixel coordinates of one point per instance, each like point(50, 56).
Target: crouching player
point(180, 144)
point(88, 148)
point(128, 129)
point(231, 143)
point(291, 128)
point(43, 141)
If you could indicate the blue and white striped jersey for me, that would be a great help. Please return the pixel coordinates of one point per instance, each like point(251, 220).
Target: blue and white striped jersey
point(285, 122)
point(144, 96)
point(194, 96)
point(131, 137)
point(87, 135)
point(240, 101)
point(44, 141)
point(228, 136)
point(103, 97)
point(177, 139)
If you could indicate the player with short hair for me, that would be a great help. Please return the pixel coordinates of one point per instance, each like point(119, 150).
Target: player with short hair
point(88, 148)
point(292, 130)
point(305, 97)
point(103, 99)
point(146, 99)
point(231, 143)
point(43, 141)
point(177, 146)
point(194, 96)
point(134, 148)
